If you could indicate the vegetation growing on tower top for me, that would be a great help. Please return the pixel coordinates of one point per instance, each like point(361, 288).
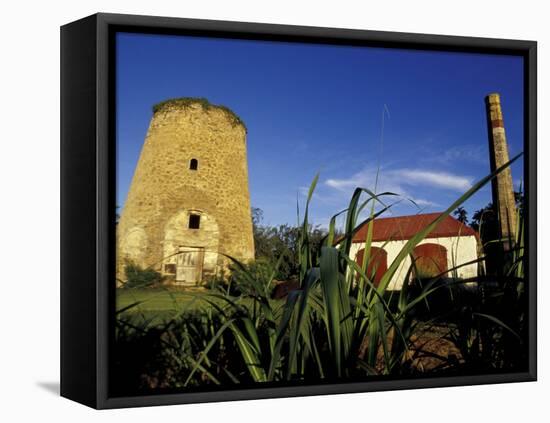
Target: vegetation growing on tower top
point(204, 103)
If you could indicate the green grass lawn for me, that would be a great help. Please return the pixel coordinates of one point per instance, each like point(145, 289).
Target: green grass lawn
point(164, 303)
point(157, 305)
point(154, 299)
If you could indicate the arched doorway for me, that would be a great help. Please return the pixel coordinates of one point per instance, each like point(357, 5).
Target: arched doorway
point(430, 260)
point(378, 263)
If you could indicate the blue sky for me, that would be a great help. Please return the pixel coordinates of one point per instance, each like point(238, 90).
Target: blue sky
point(320, 108)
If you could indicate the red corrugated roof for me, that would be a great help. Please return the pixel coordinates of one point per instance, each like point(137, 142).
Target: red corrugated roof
point(405, 227)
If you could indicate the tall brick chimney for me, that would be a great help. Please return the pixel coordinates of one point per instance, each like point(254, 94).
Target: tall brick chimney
point(503, 188)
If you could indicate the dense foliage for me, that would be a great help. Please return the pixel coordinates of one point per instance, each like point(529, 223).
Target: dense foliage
point(203, 102)
point(278, 245)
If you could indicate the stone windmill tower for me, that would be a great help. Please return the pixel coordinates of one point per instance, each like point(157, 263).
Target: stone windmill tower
point(189, 200)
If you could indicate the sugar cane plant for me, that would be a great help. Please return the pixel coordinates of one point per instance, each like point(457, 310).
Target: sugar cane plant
point(338, 324)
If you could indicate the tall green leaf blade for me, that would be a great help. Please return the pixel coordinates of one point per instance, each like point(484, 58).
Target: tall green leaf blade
point(331, 287)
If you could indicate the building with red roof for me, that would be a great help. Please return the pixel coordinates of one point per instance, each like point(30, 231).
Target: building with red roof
point(450, 244)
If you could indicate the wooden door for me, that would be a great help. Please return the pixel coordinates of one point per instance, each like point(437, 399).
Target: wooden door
point(189, 265)
point(378, 263)
point(430, 260)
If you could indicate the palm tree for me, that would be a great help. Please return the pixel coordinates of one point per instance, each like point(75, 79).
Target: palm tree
point(461, 215)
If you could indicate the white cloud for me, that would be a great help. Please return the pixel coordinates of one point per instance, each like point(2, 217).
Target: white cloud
point(424, 203)
point(413, 184)
point(397, 180)
point(434, 179)
point(342, 183)
point(470, 153)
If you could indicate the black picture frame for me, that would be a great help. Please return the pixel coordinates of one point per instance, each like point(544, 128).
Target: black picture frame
point(88, 203)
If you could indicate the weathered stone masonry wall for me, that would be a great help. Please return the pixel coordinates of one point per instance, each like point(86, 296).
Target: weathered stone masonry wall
point(165, 190)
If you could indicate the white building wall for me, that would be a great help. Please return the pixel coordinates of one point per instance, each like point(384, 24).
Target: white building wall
point(459, 250)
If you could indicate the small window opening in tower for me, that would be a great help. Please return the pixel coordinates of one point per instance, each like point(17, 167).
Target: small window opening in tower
point(194, 164)
point(194, 221)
